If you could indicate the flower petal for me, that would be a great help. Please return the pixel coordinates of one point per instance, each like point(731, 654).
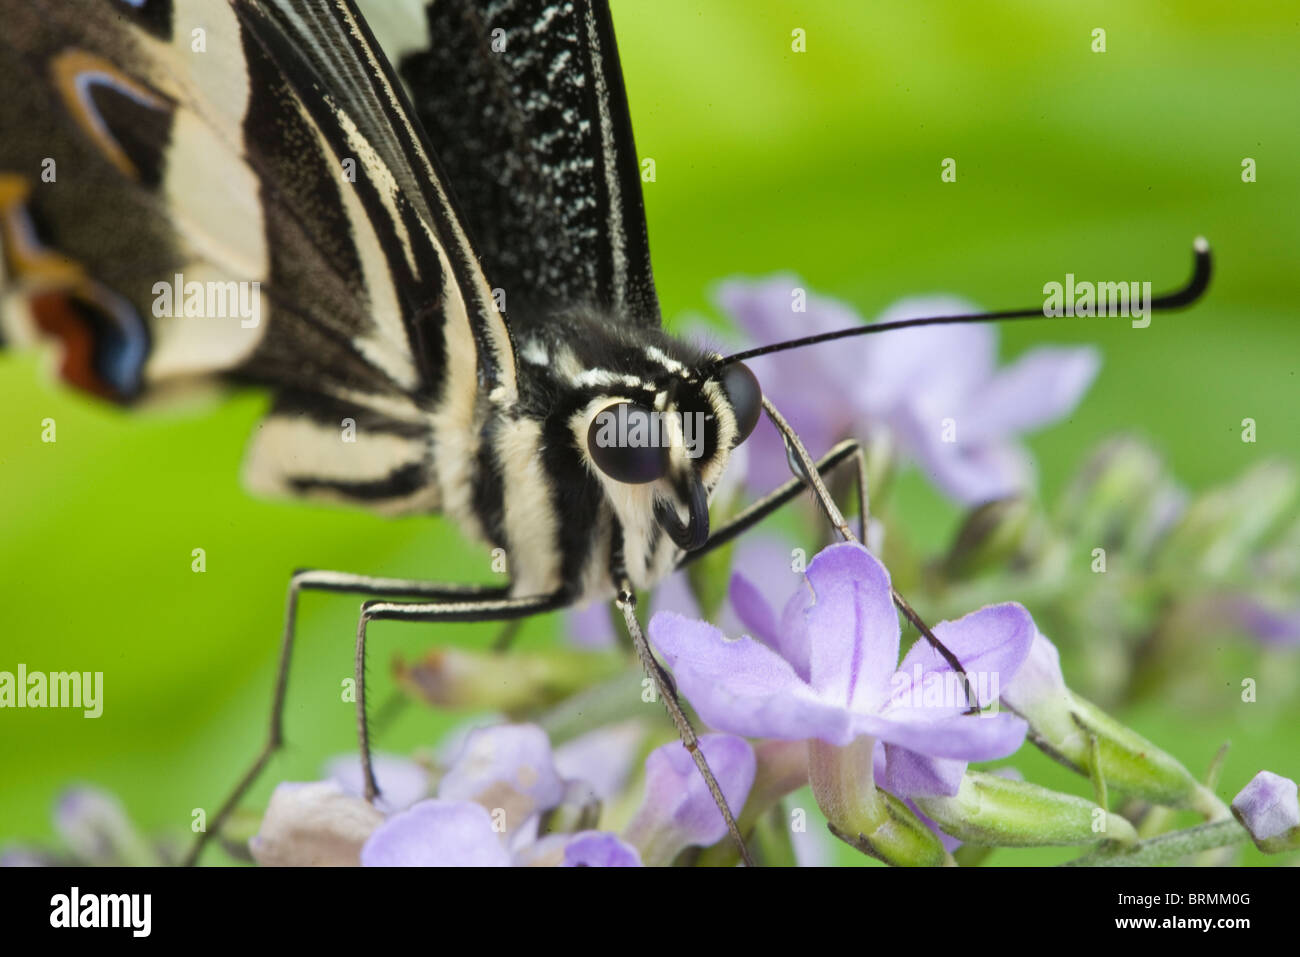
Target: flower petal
point(94, 826)
point(1039, 687)
point(762, 574)
point(852, 628)
point(942, 364)
point(742, 686)
point(880, 764)
point(969, 474)
point(598, 849)
point(908, 774)
point(1040, 387)
point(436, 833)
point(766, 311)
point(991, 644)
point(964, 737)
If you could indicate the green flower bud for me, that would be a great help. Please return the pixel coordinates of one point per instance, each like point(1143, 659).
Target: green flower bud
point(991, 809)
point(1224, 528)
point(990, 536)
point(459, 678)
point(1117, 495)
point(1063, 724)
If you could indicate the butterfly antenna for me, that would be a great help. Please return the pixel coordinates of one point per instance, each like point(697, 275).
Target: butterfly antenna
point(1178, 299)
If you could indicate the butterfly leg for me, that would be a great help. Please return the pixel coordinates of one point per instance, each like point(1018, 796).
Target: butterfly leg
point(457, 609)
point(626, 603)
point(846, 451)
point(313, 580)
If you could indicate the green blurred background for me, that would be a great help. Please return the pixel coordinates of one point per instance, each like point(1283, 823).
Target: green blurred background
point(826, 163)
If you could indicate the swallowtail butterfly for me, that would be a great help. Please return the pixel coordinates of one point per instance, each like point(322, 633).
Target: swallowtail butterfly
point(444, 243)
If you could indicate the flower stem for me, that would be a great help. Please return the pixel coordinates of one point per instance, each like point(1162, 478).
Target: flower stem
point(1167, 848)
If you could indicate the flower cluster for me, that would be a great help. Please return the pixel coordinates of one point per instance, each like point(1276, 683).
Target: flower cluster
point(506, 800)
point(809, 692)
point(1139, 577)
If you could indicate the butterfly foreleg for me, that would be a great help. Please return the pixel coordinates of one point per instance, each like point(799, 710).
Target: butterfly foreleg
point(626, 603)
point(317, 580)
point(848, 451)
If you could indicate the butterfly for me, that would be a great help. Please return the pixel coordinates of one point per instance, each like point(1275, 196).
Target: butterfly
point(437, 241)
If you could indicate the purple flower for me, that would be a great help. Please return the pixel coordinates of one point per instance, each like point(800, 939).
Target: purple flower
point(437, 833)
point(935, 391)
point(678, 810)
point(595, 849)
point(489, 804)
point(1268, 807)
point(507, 768)
point(827, 668)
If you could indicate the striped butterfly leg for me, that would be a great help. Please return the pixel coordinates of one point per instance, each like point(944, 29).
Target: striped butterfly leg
point(312, 580)
point(626, 603)
point(850, 450)
point(501, 609)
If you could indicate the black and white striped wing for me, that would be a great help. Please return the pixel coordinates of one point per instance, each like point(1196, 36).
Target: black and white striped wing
point(257, 148)
point(524, 100)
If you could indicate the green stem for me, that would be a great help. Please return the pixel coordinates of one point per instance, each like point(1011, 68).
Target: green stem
point(613, 700)
point(1168, 848)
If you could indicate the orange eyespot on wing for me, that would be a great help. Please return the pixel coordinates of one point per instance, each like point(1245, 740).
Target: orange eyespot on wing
point(127, 121)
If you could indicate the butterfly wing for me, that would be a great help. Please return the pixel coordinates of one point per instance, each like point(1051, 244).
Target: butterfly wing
point(526, 104)
point(156, 155)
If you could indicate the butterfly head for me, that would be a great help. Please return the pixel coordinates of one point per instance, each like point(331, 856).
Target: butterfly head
point(659, 438)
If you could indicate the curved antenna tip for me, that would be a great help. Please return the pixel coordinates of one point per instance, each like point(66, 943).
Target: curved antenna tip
point(1202, 266)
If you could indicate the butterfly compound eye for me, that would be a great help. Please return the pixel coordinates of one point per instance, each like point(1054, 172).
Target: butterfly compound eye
point(746, 397)
point(626, 443)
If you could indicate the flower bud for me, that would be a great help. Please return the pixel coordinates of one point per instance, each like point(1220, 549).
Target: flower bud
point(1062, 724)
point(995, 810)
point(1269, 809)
point(1223, 528)
point(679, 811)
point(1118, 490)
point(991, 535)
point(314, 824)
point(459, 678)
point(94, 826)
